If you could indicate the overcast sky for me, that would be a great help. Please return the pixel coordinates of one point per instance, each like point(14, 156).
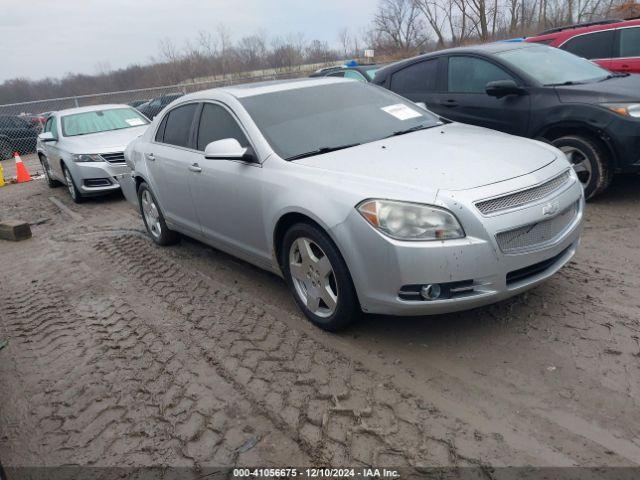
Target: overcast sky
point(47, 38)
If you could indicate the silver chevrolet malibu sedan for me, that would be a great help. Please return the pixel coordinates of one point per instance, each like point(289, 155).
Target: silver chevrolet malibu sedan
point(360, 199)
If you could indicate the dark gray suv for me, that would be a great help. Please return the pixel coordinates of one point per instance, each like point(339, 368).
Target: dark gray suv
point(533, 91)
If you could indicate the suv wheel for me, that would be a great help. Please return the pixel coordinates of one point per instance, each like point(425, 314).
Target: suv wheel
point(76, 196)
point(589, 162)
point(153, 217)
point(318, 278)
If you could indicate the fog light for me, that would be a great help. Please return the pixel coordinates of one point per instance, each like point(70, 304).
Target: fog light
point(430, 292)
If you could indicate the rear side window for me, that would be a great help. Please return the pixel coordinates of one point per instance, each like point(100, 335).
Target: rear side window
point(417, 78)
point(629, 42)
point(160, 132)
point(178, 125)
point(216, 123)
point(592, 45)
point(471, 74)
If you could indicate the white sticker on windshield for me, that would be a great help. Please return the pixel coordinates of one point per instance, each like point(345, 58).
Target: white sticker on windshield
point(401, 111)
point(134, 122)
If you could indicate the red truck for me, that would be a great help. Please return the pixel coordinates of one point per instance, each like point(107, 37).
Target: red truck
point(613, 44)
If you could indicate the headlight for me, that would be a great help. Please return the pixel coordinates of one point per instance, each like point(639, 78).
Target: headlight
point(83, 157)
point(624, 109)
point(410, 221)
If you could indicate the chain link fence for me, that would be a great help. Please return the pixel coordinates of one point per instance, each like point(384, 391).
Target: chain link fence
point(20, 123)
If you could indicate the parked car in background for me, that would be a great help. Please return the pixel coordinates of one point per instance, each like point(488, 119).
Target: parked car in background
point(533, 91)
point(151, 108)
point(17, 134)
point(364, 73)
point(37, 121)
point(356, 196)
point(83, 148)
point(613, 44)
point(137, 103)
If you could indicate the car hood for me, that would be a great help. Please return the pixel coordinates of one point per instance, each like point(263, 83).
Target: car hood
point(103, 142)
point(448, 157)
point(622, 89)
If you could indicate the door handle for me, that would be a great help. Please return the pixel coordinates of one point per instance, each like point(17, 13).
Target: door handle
point(150, 156)
point(195, 168)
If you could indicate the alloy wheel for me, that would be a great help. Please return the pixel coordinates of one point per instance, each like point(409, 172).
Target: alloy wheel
point(151, 214)
point(313, 277)
point(580, 162)
point(70, 187)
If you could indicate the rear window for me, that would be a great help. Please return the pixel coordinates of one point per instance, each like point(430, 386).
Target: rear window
point(591, 45)
point(101, 121)
point(418, 78)
point(630, 42)
point(178, 125)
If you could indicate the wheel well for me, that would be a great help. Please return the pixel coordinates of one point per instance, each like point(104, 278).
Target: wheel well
point(285, 222)
point(597, 136)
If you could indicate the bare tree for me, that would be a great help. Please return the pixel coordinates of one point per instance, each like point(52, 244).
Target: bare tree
point(399, 25)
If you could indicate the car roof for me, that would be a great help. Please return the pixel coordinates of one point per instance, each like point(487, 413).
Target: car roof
point(244, 90)
point(486, 48)
point(92, 108)
point(579, 28)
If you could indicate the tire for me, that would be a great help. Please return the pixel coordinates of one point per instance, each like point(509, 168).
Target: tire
point(153, 218)
point(314, 275)
point(75, 194)
point(590, 161)
point(47, 173)
point(6, 151)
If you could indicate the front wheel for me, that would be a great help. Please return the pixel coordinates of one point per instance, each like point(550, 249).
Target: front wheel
point(76, 196)
point(589, 161)
point(153, 217)
point(318, 278)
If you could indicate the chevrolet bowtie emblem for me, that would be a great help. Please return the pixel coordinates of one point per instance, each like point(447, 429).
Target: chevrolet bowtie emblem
point(550, 209)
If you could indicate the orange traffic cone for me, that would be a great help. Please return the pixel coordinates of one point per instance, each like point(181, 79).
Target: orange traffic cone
point(22, 174)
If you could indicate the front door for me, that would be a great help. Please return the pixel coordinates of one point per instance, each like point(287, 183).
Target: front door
point(465, 99)
point(228, 193)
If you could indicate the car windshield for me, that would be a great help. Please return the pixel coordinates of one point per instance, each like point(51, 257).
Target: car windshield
point(101, 121)
point(320, 118)
point(552, 66)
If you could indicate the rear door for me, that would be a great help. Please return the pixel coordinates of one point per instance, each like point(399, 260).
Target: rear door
point(419, 82)
point(466, 99)
point(597, 46)
point(627, 58)
point(170, 160)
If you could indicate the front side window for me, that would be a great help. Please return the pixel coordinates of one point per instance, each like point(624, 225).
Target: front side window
point(551, 66)
point(47, 126)
point(319, 117)
point(417, 78)
point(591, 45)
point(178, 125)
point(471, 74)
point(629, 42)
point(216, 123)
point(54, 127)
point(97, 121)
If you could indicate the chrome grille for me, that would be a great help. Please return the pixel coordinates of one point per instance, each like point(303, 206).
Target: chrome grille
point(536, 234)
point(522, 197)
point(113, 157)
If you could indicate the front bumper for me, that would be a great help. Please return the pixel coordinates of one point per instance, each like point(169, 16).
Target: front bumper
point(381, 267)
point(624, 135)
point(98, 178)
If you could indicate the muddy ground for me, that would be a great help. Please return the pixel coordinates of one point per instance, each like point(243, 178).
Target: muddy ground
point(124, 353)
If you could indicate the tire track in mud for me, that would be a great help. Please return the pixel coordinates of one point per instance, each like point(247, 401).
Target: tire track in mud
point(341, 412)
point(112, 390)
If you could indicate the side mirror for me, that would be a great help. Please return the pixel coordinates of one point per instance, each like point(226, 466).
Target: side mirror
point(504, 88)
point(421, 105)
point(47, 137)
point(228, 149)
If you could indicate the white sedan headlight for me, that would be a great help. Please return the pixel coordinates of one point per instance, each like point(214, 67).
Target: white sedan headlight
point(625, 109)
point(86, 158)
point(411, 221)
